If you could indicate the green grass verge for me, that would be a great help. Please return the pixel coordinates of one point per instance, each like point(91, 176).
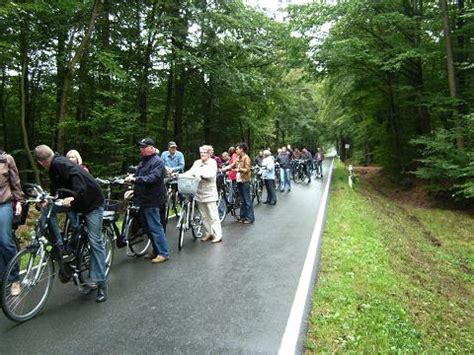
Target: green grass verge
point(393, 278)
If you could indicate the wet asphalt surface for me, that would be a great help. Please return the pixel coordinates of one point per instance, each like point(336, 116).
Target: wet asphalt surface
point(226, 298)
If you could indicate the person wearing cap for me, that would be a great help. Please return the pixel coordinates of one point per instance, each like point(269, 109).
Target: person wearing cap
point(150, 195)
point(174, 159)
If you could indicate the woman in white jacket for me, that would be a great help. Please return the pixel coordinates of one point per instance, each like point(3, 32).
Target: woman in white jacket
point(206, 195)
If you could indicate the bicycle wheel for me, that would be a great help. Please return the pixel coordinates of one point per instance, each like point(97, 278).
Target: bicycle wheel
point(182, 225)
point(253, 191)
point(259, 191)
point(138, 240)
point(35, 272)
point(196, 224)
point(222, 206)
point(109, 248)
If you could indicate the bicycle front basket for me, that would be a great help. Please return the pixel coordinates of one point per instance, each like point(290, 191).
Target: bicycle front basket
point(188, 185)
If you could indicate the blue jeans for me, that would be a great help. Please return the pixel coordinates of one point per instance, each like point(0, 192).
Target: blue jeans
point(7, 246)
point(285, 179)
point(150, 217)
point(94, 221)
point(246, 207)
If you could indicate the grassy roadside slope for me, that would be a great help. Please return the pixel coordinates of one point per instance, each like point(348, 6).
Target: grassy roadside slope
point(393, 278)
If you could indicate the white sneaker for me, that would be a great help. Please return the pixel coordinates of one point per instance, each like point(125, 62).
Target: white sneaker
point(15, 289)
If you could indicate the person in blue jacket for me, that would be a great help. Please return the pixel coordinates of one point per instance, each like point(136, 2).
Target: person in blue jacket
point(150, 195)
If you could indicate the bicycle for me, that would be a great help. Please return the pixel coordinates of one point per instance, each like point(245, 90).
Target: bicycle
point(132, 235)
point(277, 176)
point(299, 171)
point(173, 200)
point(33, 267)
point(112, 210)
point(231, 197)
point(318, 168)
point(256, 184)
point(18, 221)
point(221, 201)
point(189, 216)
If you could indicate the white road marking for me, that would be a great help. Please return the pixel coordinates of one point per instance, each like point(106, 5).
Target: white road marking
point(293, 326)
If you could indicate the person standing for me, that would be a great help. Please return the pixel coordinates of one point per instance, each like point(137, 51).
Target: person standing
point(87, 199)
point(206, 195)
point(74, 156)
point(268, 175)
point(243, 168)
point(173, 159)
point(11, 197)
point(259, 158)
point(174, 163)
point(150, 195)
point(319, 157)
point(232, 174)
point(308, 163)
point(284, 159)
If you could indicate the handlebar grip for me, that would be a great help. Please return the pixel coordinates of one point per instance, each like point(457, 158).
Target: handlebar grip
point(102, 181)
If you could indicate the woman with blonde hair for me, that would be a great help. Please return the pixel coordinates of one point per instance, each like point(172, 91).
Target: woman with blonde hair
point(74, 156)
point(206, 195)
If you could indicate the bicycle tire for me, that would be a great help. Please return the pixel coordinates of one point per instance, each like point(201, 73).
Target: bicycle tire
point(109, 248)
point(182, 226)
point(222, 207)
point(196, 224)
point(28, 261)
point(137, 239)
point(259, 191)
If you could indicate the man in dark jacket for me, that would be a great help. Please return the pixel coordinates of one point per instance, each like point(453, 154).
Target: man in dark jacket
point(150, 195)
point(284, 158)
point(87, 198)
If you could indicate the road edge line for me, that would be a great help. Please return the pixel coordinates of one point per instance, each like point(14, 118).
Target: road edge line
point(290, 338)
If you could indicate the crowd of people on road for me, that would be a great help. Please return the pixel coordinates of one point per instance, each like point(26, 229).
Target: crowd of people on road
point(150, 194)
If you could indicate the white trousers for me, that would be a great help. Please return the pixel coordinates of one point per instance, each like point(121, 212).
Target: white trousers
point(210, 218)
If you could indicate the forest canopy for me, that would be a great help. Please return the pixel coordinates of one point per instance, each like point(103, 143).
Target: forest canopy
point(391, 78)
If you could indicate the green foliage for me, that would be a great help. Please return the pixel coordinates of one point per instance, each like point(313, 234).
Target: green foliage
point(448, 169)
point(382, 69)
point(384, 286)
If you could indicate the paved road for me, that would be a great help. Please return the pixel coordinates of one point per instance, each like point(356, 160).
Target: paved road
point(233, 297)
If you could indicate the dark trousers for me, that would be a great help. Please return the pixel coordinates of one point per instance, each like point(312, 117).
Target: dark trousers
point(271, 193)
point(246, 207)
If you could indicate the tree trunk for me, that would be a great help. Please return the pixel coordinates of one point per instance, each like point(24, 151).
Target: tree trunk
point(3, 107)
point(70, 73)
point(169, 103)
point(207, 110)
point(394, 123)
point(23, 104)
point(451, 72)
point(179, 105)
point(146, 66)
